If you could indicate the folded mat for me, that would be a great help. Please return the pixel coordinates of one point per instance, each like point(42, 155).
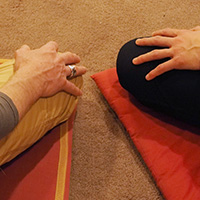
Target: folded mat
point(170, 148)
point(42, 172)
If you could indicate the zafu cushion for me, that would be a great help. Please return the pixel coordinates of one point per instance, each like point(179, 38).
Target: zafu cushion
point(45, 114)
point(171, 149)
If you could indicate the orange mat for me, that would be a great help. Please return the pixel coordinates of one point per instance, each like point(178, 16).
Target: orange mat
point(43, 171)
point(170, 148)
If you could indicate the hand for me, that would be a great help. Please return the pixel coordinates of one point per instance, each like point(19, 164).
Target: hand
point(46, 69)
point(182, 46)
point(40, 73)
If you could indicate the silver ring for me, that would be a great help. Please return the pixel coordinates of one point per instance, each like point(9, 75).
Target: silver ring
point(73, 70)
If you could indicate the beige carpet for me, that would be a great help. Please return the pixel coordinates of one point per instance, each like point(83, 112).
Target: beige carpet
point(105, 163)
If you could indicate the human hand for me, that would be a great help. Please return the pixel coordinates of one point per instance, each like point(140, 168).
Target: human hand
point(45, 69)
point(182, 46)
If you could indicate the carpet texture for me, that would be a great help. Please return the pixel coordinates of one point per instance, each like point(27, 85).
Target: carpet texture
point(105, 163)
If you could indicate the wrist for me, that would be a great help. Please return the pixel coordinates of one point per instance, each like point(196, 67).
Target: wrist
point(23, 91)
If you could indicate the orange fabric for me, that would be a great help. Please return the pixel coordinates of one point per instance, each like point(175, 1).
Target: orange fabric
point(171, 149)
point(34, 173)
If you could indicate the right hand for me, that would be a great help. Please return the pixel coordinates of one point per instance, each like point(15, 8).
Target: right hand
point(45, 69)
point(182, 46)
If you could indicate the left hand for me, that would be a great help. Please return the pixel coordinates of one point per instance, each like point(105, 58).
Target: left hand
point(182, 46)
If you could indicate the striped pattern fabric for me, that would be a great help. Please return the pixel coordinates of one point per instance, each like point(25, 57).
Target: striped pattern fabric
point(42, 172)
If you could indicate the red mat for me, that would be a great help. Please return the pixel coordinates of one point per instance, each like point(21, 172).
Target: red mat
point(43, 171)
point(171, 149)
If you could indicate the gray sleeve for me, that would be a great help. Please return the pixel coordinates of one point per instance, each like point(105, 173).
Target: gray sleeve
point(8, 115)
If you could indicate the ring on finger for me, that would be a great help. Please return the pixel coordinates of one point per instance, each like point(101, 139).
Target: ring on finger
point(73, 71)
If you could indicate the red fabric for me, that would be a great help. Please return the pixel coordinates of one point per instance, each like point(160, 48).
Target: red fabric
point(33, 174)
point(171, 149)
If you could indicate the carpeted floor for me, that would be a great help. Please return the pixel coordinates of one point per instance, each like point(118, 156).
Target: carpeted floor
point(105, 163)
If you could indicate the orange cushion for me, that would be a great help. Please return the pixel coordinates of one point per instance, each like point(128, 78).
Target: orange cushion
point(171, 149)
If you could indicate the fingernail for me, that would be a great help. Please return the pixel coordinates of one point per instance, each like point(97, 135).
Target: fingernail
point(147, 77)
point(137, 41)
point(134, 61)
point(81, 93)
point(77, 56)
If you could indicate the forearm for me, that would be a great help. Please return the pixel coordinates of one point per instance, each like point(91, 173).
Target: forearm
point(23, 93)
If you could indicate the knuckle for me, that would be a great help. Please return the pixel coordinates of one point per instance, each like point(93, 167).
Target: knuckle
point(67, 54)
point(174, 51)
point(155, 53)
point(170, 53)
point(177, 50)
point(178, 60)
point(58, 59)
point(178, 40)
point(159, 68)
point(166, 30)
point(25, 46)
point(53, 44)
point(63, 84)
point(58, 63)
point(18, 53)
point(52, 54)
point(157, 38)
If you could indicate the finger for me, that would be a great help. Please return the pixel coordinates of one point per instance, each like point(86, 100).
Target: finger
point(80, 70)
point(155, 41)
point(70, 88)
point(18, 53)
point(25, 48)
point(160, 69)
point(168, 32)
point(152, 55)
point(52, 46)
point(22, 49)
point(69, 58)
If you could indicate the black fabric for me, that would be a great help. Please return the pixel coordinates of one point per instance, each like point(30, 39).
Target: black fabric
point(175, 92)
point(8, 115)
